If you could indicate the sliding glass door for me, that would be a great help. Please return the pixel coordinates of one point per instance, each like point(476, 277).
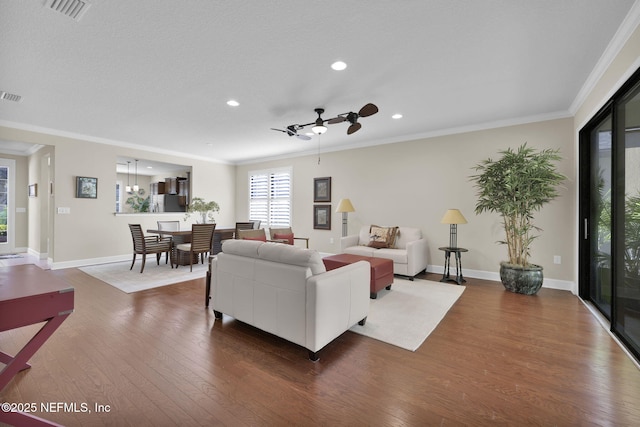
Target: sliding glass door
point(626, 320)
point(610, 213)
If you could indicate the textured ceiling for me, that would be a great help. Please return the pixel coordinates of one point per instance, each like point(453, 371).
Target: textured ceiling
point(158, 73)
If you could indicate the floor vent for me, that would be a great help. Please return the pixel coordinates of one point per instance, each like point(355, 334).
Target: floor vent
point(74, 9)
point(10, 96)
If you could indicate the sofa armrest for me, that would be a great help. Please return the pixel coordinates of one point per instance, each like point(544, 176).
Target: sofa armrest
point(416, 256)
point(348, 241)
point(336, 300)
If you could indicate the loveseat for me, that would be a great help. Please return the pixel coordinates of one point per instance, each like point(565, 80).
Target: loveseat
point(285, 290)
point(408, 249)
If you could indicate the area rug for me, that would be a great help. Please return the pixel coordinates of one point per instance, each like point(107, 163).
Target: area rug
point(405, 315)
point(10, 256)
point(118, 275)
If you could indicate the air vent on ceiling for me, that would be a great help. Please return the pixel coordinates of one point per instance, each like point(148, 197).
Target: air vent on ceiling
point(74, 9)
point(10, 96)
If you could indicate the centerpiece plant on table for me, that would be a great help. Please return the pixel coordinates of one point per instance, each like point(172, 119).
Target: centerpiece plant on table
point(203, 210)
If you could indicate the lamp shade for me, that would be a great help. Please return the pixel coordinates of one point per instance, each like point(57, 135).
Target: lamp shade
point(453, 216)
point(319, 129)
point(345, 206)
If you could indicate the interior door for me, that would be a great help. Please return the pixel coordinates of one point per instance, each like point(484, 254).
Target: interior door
point(7, 205)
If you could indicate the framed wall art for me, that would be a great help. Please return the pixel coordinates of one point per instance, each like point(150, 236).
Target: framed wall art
point(86, 188)
point(322, 189)
point(33, 190)
point(322, 217)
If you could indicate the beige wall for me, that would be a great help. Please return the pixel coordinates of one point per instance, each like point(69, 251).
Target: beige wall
point(91, 232)
point(413, 183)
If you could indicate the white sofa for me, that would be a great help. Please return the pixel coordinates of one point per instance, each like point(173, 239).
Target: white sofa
point(409, 253)
point(286, 291)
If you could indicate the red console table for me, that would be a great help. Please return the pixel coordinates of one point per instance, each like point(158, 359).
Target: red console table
point(29, 295)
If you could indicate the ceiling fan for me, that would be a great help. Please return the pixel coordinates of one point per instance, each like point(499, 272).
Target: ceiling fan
point(292, 130)
point(318, 125)
point(351, 117)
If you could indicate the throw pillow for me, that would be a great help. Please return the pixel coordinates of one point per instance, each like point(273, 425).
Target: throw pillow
point(287, 237)
point(261, 238)
point(382, 237)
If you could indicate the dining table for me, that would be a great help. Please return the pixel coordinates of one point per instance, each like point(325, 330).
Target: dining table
point(184, 236)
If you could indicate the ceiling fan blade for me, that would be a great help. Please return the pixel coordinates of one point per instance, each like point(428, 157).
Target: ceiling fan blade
point(303, 137)
point(335, 120)
point(354, 128)
point(368, 110)
point(280, 130)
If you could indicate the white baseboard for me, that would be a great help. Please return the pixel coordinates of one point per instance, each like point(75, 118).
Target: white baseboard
point(564, 285)
point(90, 261)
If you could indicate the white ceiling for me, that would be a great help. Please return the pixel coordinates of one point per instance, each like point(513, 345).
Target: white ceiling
point(157, 73)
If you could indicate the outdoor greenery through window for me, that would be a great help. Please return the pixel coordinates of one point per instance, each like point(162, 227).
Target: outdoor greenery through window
point(270, 197)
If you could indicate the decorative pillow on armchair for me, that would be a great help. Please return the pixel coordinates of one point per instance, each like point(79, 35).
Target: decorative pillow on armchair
point(382, 237)
point(287, 237)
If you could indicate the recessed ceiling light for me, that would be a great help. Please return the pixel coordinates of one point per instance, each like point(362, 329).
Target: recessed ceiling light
point(233, 103)
point(338, 65)
point(396, 116)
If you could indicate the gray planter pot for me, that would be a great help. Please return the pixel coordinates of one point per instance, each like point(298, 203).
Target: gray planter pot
point(521, 280)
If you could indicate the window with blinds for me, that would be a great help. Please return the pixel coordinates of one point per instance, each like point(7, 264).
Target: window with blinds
point(270, 197)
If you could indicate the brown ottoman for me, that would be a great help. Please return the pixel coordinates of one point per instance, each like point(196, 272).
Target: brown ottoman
point(381, 269)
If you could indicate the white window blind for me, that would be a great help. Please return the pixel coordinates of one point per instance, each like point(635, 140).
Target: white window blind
point(270, 197)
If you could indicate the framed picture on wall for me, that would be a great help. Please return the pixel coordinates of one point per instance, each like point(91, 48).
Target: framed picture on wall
point(33, 190)
point(86, 188)
point(322, 217)
point(322, 189)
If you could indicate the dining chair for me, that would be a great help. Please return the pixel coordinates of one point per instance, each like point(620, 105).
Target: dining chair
point(168, 226)
point(246, 225)
point(286, 234)
point(147, 245)
point(201, 243)
point(259, 234)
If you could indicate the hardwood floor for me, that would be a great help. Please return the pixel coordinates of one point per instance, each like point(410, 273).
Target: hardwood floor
point(159, 358)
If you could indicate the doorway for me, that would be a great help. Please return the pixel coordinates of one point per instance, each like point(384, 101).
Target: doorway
point(7, 205)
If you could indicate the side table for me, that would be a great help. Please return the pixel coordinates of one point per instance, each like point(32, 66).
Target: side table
point(446, 277)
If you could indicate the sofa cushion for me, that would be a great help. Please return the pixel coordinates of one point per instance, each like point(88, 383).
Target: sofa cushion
point(406, 235)
point(360, 250)
point(248, 248)
point(382, 237)
point(293, 255)
point(398, 256)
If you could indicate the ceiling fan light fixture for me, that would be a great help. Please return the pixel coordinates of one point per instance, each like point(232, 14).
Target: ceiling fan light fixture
point(320, 128)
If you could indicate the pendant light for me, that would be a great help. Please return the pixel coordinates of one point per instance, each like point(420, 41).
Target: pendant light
point(135, 186)
point(128, 187)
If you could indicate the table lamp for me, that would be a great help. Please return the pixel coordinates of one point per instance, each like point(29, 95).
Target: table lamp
point(344, 206)
point(453, 217)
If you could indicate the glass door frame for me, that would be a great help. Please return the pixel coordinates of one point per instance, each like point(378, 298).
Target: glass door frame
point(586, 210)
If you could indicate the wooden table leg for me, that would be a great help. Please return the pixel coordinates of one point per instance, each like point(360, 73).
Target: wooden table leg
point(19, 362)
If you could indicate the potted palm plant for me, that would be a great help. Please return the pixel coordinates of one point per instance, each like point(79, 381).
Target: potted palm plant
point(516, 186)
point(203, 210)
